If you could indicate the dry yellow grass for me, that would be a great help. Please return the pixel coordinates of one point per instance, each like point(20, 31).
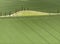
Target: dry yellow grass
point(28, 13)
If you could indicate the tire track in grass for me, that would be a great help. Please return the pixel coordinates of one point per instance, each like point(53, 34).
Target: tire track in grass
point(16, 25)
point(27, 39)
point(25, 30)
point(35, 38)
point(20, 31)
point(32, 23)
point(26, 23)
point(31, 31)
point(43, 26)
point(46, 34)
point(56, 34)
point(56, 40)
point(55, 24)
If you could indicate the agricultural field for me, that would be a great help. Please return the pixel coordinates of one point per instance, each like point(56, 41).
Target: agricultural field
point(11, 6)
point(30, 30)
point(29, 21)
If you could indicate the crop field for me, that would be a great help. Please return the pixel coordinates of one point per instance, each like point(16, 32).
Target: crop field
point(29, 21)
point(12, 6)
point(30, 30)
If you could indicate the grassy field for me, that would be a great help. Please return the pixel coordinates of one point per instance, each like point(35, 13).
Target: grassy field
point(30, 30)
point(37, 5)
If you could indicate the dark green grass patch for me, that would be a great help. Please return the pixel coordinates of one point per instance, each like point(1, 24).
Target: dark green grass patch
point(7, 6)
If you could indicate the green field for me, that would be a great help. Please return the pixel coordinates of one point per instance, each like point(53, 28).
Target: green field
point(12, 6)
point(30, 30)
